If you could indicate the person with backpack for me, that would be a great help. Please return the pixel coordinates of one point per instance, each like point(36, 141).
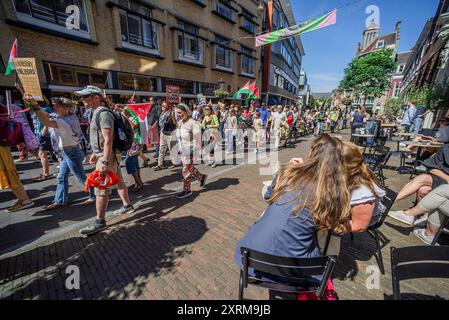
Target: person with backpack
point(167, 125)
point(66, 137)
point(110, 135)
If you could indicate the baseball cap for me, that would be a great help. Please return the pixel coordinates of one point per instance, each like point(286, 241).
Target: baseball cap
point(89, 90)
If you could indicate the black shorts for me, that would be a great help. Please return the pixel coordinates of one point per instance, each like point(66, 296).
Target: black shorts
point(437, 181)
point(45, 144)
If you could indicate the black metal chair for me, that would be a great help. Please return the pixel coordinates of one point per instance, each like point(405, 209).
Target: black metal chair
point(373, 231)
point(416, 263)
point(444, 224)
point(292, 275)
point(377, 159)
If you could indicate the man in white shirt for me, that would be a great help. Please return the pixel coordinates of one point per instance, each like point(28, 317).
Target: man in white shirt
point(277, 118)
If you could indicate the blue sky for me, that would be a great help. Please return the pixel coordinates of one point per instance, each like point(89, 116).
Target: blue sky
point(329, 50)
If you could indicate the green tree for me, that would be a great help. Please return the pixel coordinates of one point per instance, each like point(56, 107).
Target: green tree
point(369, 75)
point(393, 107)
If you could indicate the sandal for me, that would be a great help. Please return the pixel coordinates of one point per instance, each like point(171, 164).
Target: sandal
point(53, 206)
point(172, 166)
point(146, 163)
point(43, 178)
point(137, 188)
point(157, 168)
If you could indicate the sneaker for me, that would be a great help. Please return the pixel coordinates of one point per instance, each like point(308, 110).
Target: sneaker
point(402, 217)
point(19, 205)
point(207, 163)
point(97, 226)
point(421, 222)
point(184, 194)
point(203, 180)
point(213, 165)
point(158, 168)
point(421, 168)
point(421, 235)
point(124, 209)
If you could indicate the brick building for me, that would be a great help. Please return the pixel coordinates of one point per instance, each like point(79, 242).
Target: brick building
point(135, 45)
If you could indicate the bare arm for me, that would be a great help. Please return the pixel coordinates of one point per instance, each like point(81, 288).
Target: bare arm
point(361, 216)
point(107, 147)
point(43, 117)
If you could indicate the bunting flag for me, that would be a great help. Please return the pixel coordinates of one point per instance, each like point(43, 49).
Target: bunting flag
point(139, 112)
point(315, 24)
point(250, 89)
point(12, 55)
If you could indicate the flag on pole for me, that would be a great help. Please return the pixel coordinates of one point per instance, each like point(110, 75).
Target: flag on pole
point(139, 112)
point(12, 55)
point(315, 24)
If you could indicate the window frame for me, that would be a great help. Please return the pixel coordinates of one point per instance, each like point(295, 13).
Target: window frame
point(154, 34)
point(189, 32)
point(227, 51)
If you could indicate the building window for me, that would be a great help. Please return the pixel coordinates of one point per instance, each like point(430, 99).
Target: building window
point(370, 101)
point(52, 15)
point(223, 55)
point(58, 74)
point(137, 32)
point(380, 44)
point(247, 61)
point(401, 68)
point(396, 90)
point(224, 9)
point(247, 22)
point(190, 46)
point(137, 83)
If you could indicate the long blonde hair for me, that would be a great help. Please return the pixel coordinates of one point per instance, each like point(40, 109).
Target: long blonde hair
point(357, 170)
point(322, 182)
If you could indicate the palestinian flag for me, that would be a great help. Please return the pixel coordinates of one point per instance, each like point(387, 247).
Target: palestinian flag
point(139, 112)
point(12, 55)
point(250, 89)
point(315, 24)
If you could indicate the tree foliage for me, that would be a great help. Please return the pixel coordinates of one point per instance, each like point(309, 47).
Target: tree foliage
point(393, 107)
point(369, 75)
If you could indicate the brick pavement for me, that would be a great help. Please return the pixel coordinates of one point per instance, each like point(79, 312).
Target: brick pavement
point(183, 249)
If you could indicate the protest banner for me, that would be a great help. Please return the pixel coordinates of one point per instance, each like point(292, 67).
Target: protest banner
point(27, 73)
point(172, 94)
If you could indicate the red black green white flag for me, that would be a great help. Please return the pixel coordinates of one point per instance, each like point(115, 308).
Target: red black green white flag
point(12, 55)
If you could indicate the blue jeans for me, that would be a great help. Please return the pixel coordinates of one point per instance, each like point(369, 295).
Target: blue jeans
point(319, 128)
point(417, 125)
point(72, 161)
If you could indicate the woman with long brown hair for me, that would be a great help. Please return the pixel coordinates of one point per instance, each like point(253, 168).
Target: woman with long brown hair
point(305, 197)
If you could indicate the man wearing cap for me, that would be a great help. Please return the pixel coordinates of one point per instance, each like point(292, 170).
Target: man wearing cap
point(101, 135)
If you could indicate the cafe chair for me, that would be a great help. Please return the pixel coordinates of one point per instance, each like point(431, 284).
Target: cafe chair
point(418, 263)
point(444, 225)
point(284, 274)
point(377, 159)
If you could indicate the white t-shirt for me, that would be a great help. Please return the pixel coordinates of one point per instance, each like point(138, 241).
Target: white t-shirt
point(364, 194)
point(63, 134)
point(278, 118)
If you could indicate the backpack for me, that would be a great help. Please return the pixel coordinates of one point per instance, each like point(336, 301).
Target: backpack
point(123, 132)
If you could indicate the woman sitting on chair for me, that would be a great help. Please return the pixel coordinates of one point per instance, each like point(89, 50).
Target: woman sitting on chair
point(305, 197)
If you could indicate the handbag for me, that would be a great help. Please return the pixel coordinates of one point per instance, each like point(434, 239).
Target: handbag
point(11, 133)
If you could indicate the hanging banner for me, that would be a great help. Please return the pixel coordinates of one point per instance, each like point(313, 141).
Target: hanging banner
point(315, 24)
point(27, 73)
point(172, 95)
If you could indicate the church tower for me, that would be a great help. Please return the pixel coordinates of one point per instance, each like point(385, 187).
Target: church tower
point(370, 33)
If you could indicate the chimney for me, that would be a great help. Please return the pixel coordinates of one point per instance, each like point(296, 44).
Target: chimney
point(359, 48)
